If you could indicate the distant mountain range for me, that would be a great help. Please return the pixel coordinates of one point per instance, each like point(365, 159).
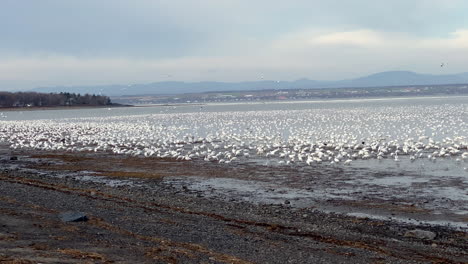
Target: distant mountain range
point(389, 78)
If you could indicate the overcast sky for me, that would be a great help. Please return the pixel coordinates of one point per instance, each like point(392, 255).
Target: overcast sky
point(71, 42)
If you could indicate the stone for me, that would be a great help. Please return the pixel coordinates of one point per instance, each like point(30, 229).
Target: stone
point(13, 158)
point(422, 234)
point(73, 217)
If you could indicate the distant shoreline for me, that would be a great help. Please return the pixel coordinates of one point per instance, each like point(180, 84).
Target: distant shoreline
point(40, 108)
point(312, 100)
point(175, 104)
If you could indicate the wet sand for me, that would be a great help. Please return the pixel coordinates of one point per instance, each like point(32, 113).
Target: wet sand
point(148, 210)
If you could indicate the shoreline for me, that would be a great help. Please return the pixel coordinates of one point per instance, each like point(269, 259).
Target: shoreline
point(148, 218)
point(310, 100)
point(40, 108)
point(302, 101)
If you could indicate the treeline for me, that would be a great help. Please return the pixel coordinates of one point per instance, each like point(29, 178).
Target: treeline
point(33, 99)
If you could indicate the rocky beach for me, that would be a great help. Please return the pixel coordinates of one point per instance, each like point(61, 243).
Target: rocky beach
point(132, 212)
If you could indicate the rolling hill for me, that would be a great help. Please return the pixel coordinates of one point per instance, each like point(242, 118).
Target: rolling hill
point(389, 78)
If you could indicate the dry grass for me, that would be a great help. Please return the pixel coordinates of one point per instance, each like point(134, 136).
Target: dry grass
point(70, 228)
point(337, 252)
point(166, 250)
point(117, 166)
point(9, 237)
point(130, 174)
point(158, 253)
point(7, 199)
point(38, 246)
point(59, 238)
point(62, 157)
point(364, 221)
point(10, 260)
point(74, 253)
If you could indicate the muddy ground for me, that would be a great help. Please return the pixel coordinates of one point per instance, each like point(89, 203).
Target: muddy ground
point(139, 211)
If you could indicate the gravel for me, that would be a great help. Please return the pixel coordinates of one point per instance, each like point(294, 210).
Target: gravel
point(153, 222)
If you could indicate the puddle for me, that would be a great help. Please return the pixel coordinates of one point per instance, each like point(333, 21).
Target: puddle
point(401, 181)
point(106, 181)
point(448, 223)
point(389, 197)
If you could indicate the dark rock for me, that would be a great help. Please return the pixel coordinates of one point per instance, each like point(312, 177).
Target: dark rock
point(73, 217)
point(287, 202)
point(421, 234)
point(13, 158)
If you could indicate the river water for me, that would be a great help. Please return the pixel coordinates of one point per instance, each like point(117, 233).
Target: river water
point(408, 150)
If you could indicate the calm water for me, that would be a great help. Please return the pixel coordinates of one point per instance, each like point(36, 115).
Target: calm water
point(262, 131)
point(231, 107)
point(396, 149)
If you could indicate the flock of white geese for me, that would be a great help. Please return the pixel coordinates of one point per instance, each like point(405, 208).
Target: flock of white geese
point(307, 137)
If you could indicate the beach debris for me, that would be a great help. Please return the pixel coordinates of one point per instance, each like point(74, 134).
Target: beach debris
point(422, 234)
point(73, 217)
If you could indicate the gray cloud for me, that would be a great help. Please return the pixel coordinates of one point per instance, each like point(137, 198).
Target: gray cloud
point(51, 42)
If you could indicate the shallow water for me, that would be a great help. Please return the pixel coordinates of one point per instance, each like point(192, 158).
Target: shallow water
point(232, 107)
point(271, 133)
point(409, 150)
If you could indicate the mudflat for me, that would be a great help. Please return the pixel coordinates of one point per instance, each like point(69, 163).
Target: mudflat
point(136, 214)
